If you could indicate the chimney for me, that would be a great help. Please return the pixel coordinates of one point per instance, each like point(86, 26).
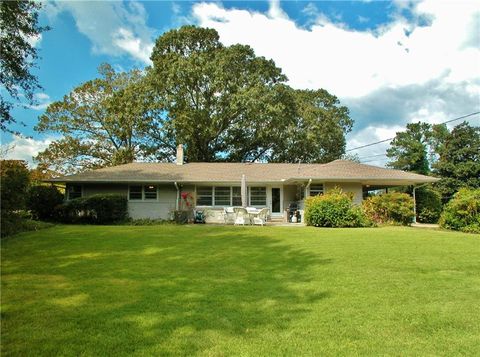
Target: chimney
point(180, 154)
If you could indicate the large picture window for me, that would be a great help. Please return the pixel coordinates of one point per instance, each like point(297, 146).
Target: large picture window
point(222, 196)
point(204, 196)
point(258, 196)
point(236, 196)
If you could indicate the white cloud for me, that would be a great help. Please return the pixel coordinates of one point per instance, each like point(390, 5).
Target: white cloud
point(25, 148)
point(114, 28)
point(43, 101)
point(354, 63)
point(426, 68)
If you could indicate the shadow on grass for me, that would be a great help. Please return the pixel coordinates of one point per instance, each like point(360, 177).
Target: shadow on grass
point(169, 293)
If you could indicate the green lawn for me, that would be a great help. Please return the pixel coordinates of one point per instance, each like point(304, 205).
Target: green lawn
point(256, 291)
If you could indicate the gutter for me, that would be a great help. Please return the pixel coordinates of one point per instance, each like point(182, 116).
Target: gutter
point(178, 195)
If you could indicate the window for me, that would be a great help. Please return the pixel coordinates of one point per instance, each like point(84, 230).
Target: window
point(316, 190)
point(236, 196)
point(204, 196)
point(74, 191)
point(150, 192)
point(258, 196)
point(135, 193)
point(222, 196)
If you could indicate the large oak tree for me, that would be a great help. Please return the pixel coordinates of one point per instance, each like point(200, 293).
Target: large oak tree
point(227, 104)
point(223, 103)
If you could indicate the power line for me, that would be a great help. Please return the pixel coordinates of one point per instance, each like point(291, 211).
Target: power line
point(386, 158)
point(364, 146)
point(370, 156)
point(389, 139)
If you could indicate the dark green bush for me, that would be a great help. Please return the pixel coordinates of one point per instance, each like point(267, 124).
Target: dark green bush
point(42, 200)
point(334, 209)
point(14, 181)
point(429, 205)
point(462, 212)
point(17, 222)
point(96, 209)
point(389, 208)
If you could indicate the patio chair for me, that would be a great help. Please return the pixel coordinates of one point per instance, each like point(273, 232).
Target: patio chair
point(241, 216)
point(229, 215)
point(261, 217)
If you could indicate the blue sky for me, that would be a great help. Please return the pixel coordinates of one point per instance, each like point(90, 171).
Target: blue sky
point(391, 63)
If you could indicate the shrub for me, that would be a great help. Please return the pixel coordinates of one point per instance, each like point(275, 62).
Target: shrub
point(14, 181)
point(42, 200)
point(96, 209)
point(462, 212)
point(334, 209)
point(429, 205)
point(16, 222)
point(389, 208)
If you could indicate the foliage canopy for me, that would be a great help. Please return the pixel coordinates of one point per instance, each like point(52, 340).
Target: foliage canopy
point(18, 30)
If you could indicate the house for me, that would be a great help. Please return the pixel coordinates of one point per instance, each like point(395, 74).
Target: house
point(154, 190)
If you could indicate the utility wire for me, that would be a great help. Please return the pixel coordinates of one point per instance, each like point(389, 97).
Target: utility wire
point(370, 156)
point(385, 140)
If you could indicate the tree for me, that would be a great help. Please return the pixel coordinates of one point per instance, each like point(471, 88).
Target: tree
point(458, 161)
point(317, 131)
point(18, 27)
point(227, 104)
point(42, 200)
point(14, 181)
point(409, 149)
point(102, 122)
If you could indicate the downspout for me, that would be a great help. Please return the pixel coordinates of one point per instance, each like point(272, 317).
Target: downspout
point(178, 195)
point(415, 202)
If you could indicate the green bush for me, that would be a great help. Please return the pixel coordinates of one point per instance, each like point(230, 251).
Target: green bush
point(96, 209)
point(14, 223)
point(14, 181)
point(390, 208)
point(334, 209)
point(42, 200)
point(429, 205)
point(462, 212)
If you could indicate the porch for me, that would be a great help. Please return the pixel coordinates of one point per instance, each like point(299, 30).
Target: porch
point(213, 200)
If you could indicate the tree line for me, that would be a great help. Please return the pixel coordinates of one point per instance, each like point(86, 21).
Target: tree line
point(428, 149)
point(223, 103)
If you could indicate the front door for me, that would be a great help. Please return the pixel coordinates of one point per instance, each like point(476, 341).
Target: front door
point(276, 200)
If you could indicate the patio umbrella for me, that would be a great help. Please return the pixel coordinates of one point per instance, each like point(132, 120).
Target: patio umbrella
point(243, 191)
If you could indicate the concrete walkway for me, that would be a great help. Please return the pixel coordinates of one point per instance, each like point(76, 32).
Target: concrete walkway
point(425, 225)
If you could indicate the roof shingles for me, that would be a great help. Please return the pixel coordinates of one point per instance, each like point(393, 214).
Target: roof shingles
point(338, 170)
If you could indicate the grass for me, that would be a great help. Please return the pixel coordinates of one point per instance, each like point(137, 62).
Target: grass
point(256, 291)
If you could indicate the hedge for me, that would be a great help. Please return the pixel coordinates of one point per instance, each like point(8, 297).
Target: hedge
point(42, 200)
point(334, 209)
point(462, 212)
point(390, 208)
point(96, 209)
point(429, 205)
